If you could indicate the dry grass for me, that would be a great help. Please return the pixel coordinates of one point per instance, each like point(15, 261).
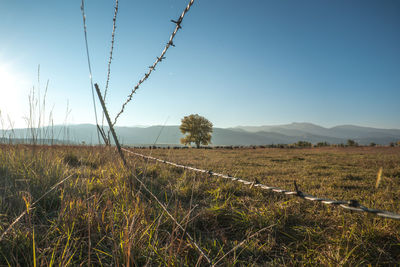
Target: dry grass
point(103, 217)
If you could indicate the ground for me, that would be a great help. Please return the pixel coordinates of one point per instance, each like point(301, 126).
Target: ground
point(102, 215)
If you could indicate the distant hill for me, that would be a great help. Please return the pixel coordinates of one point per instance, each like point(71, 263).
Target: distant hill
point(241, 135)
point(363, 135)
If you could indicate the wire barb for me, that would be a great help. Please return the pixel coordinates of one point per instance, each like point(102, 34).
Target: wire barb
point(354, 203)
point(177, 22)
point(298, 192)
point(160, 58)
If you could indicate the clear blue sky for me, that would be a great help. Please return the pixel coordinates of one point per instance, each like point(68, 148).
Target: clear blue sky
point(235, 62)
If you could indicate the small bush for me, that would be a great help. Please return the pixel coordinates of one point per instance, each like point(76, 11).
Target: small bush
point(72, 160)
point(351, 142)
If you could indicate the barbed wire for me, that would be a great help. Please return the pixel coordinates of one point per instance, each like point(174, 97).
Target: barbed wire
point(88, 61)
point(158, 59)
point(111, 53)
point(111, 125)
point(352, 205)
point(33, 205)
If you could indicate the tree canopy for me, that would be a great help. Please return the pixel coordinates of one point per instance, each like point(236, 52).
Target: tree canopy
point(198, 130)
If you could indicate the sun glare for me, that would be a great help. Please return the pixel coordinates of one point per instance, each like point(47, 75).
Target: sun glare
point(11, 88)
point(7, 79)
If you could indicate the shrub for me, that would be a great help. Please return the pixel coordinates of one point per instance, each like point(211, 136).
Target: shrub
point(72, 160)
point(351, 142)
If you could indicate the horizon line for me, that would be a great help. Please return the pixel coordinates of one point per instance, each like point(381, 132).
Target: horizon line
point(230, 127)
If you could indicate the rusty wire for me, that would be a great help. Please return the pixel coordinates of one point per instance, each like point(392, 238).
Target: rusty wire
point(352, 205)
point(111, 50)
point(106, 138)
point(170, 43)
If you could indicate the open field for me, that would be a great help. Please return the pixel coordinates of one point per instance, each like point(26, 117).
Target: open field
point(101, 216)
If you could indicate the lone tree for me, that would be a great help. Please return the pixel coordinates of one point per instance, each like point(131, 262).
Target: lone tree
point(351, 142)
point(199, 130)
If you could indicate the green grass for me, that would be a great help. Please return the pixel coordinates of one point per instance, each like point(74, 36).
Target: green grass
point(101, 216)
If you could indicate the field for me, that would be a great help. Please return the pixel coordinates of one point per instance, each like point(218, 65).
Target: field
point(102, 216)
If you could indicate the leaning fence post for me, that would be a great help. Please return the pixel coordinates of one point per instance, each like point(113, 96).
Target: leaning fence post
point(103, 105)
point(103, 134)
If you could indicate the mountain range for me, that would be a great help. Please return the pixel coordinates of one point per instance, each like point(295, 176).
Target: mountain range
point(240, 135)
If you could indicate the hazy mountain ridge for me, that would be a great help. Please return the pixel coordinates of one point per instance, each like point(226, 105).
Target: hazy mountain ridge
point(241, 135)
point(341, 131)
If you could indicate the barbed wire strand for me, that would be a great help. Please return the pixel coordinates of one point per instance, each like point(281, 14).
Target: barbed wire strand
point(352, 205)
point(158, 59)
point(89, 65)
point(33, 205)
point(111, 54)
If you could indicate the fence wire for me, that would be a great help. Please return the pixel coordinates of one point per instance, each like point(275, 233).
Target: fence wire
point(111, 125)
point(88, 61)
point(152, 68)
point(111, 54)
point(352, 205)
